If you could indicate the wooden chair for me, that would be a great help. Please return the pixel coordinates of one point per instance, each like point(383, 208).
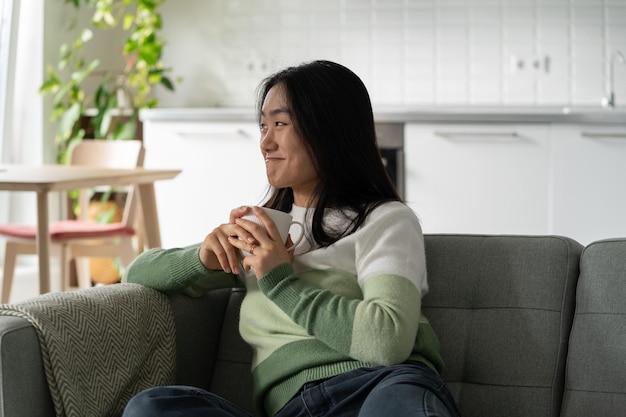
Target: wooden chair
point(81, 239)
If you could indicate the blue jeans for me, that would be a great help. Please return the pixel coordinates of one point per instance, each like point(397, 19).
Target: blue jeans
point(409, 389)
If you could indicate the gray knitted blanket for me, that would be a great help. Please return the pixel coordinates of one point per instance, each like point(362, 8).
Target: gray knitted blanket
point(101, 346)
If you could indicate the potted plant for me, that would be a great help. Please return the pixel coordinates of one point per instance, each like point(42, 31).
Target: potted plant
point(120, 93)
point(91, 102)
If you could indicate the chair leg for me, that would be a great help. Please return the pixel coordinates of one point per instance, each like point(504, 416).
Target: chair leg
point(127, 251)
point(65, 257)
point(82, 272)
point(10, 257)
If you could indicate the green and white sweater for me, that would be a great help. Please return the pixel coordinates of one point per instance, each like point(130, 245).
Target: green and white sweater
point(355, 303)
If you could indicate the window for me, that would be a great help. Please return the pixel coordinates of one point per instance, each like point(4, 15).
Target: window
point(8, 39)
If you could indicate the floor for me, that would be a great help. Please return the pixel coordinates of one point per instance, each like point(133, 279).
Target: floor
point(26, 282)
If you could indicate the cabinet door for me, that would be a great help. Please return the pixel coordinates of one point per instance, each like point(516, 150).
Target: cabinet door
point(222, 168)
point(478, 178)
point(589, 182)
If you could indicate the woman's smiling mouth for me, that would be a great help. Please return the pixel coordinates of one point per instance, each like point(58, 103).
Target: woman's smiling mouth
point(272, 159)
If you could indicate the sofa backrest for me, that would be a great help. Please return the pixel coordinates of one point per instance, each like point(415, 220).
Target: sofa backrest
point(502, 307)
point(595, 382)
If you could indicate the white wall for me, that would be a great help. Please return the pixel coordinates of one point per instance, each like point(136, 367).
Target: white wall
point(421, 52)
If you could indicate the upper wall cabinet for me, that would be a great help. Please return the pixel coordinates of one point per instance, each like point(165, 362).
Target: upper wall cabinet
point(222, 169)
point(478, 178)
point(589, 181)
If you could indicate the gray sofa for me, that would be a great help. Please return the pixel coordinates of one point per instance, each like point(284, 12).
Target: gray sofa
point(529, 326)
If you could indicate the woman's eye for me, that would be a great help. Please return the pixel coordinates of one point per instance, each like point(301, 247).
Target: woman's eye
point(263, 127)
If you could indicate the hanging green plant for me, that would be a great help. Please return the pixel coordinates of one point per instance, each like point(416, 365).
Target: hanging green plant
point(124, 90)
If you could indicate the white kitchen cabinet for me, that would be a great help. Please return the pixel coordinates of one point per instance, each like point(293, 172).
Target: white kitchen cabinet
point(479, 178)
point(589, 181)
point(222, 168)
point(465, 177)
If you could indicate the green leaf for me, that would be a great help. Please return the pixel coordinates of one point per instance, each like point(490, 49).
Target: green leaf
point(64, 145)
point(105, 124)
point(86, 35)
point(65, 55)
point(125, 130)
point(62, 158)
point(51, 84)
point(103, 96)
point(77, 78)
point(130, 46)
point(167, 83)
point(57, 111)
point(128, 21)
point(68, 120)
point(75, 140)
point(150, 53)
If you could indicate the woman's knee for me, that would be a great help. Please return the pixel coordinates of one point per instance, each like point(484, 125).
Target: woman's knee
point(410, 391)
point(180, 401)
point(165, 401)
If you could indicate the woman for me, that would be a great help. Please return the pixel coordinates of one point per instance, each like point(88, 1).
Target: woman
point(347, 304)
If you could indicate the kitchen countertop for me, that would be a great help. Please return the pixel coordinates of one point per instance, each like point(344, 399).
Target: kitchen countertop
point(412, 114)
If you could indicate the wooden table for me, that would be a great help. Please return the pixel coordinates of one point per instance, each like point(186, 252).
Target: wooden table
point(43, 179)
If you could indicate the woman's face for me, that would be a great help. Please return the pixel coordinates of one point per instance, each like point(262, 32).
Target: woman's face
point(287, 162)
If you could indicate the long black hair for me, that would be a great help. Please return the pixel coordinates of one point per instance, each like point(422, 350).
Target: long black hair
point(333, 115)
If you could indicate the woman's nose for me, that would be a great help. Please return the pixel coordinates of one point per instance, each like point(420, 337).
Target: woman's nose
point(267, 140)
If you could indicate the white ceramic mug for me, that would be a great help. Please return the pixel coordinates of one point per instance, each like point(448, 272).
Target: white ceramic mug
point(283, 223)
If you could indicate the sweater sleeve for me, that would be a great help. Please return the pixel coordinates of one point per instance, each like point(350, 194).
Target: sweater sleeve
point(177, 270)
point(381, 326)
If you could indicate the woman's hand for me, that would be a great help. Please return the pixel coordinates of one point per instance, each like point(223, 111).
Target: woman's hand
point(266, 248)
point(217, 252)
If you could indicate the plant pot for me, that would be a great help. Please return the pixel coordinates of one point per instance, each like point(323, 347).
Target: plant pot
point(104, 270)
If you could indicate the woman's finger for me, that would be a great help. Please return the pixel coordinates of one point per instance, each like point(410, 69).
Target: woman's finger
point(256, 233)
point(217, 252)
point(268, 224)
point(238, 212)
point(233, 255)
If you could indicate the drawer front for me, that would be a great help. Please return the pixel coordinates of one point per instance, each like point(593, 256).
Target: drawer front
point(478, 178)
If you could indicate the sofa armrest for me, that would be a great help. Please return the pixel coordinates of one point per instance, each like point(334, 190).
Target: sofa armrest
point(23, 387)
point(198, 324)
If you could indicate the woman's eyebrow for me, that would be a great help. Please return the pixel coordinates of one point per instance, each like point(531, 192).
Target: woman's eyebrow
point(276, 111)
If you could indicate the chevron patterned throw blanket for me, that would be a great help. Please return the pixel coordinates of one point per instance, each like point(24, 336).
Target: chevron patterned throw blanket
point(101, 346)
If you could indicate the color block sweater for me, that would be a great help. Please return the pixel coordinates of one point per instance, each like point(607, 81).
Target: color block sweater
point(353, 304)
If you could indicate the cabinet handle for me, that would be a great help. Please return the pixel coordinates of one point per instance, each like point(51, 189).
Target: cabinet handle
point(600, 135)
point(225, 134)
point(479, 135)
